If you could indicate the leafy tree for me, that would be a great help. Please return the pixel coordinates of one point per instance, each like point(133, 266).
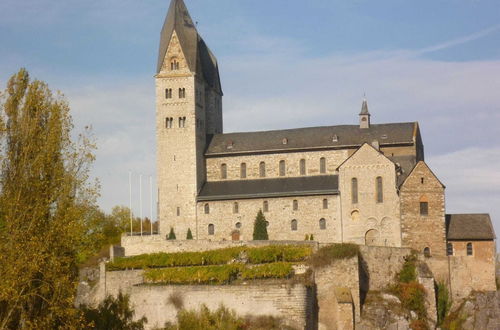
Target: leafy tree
point(189, 234)
point(171, 235)
point(260, 228)
point(113, 314)
point(44, 195)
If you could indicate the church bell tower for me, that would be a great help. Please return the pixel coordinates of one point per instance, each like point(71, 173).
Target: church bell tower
point(188, 112)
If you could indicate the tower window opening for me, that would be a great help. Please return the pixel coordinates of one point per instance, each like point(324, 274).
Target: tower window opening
point(293, 225)
point(470, 249)
point(168, 122)
point(182, 93)
point(262, 169)
point(223, 171)
point(174, 65)
point(243, 170)
point(182, 122)
point(168, 93)
point(322, 224)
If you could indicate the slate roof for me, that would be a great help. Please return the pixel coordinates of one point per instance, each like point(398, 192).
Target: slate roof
point(263, 188)
point(469, 227)
point(324, 137)
point(199, 58)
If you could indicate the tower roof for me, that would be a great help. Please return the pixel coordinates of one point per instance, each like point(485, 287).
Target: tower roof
point(198, 56)
point(364, 108)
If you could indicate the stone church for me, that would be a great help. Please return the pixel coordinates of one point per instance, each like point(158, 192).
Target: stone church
point(365, 183)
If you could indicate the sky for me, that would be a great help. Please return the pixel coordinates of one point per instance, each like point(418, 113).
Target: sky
point(283, 64)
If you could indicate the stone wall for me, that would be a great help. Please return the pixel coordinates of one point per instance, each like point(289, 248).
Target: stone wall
point(294, 304)
point(472, 273)
point(136, 245)
point(310, 209)
point(379, 265)
point(420, 231)
point(367, 221)
point(292, 161)
point(341, 273)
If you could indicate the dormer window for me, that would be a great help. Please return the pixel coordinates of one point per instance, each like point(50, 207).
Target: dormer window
point(174, 65)
point(335, 138)
point(285, 141)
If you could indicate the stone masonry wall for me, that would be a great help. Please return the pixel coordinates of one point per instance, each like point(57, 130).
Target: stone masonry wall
point(421, 231)
point(292, 160)
point(292, 303)
point(380, 222)
point(341, 273)
point(279, 215)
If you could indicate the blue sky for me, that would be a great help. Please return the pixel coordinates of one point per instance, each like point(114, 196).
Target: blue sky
point(283, 64)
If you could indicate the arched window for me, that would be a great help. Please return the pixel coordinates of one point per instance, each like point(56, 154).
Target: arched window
point(295, 205)
point(380, 193)
point(223, 171)
point(322, 224)
point(207, 208)
point(182, 122)
point(355, 215)
point(243, 170)
point(293, 225)
point(469, 249)
point(302, 166)
point(325, 203)
point(354, 190)
point(265, 206)
point(211, 229)
point(174, 65)
point(182, 93)
point(236, 208)
point(168, 122)
point(427, 252)
point(322, 165)
point(282, 168)
point(449, 249)
point(424, 208)
point(262, 169)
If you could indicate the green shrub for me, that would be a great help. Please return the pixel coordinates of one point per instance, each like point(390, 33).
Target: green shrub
point(273, 270)
point(189, 234)
point(328, 254)
point(260, 228)
point(113, 314)
point(409, 271)
point(192, 275)
point(443, 302)
point(275, 253)
point(171, 235)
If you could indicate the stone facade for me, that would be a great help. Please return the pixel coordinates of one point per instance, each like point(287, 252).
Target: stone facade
point(369, 218)
point(423, 212)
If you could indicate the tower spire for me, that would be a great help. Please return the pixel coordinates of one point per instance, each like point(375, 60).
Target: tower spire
point(364, 115)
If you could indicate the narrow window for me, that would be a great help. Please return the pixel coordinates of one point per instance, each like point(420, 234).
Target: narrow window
point(211, 229)
point(380, 193)
point(295, 205)
point(207, 209)
point(243, 170)
point(174, 65)
point(182, 93)
point(178, 211)
point(235, 207)
point(325, 203)
point(223, 171)
point(427, 252)
point(422, 180)
point(424, 208)
point(168, 93)
point(262, 169)
point(265, 206)
point(322, 224)
point(293, 225)
point(167, 121)
point(282, 168)
point(449, 249)
point(354, 190)
point(469, 249)
point(322, 165)
point(302, 166)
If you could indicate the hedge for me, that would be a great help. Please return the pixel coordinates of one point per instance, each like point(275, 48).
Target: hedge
point(255, 255)
point(272, 270)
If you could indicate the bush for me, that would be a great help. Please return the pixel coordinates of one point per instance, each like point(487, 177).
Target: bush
point(260, 228)
point(443, 302)
point(328, 254)
point(192, 275)
point(409, 271)
point(273, 270)
point(275, 253)
point(189, 234)
point(113, 314)
point(412, 296)
point(171, 235)
point(418, 325)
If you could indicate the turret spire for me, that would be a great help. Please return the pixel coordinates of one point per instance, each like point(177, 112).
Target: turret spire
point(364, 115)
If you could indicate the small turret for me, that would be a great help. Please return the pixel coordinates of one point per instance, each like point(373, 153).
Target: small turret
point(364, 115)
